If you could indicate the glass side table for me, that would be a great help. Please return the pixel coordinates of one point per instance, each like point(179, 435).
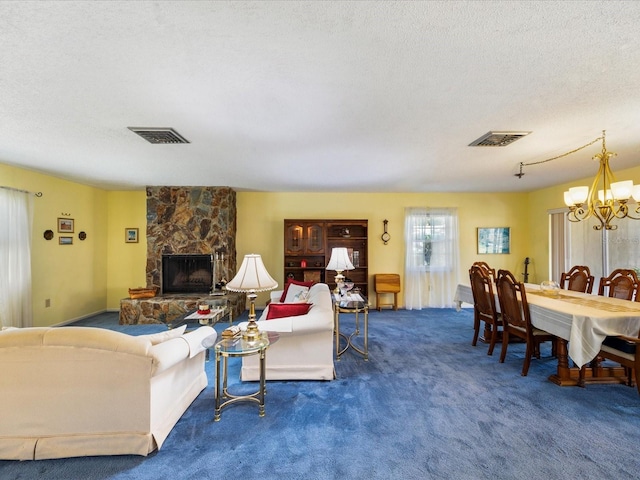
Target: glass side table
point(237, 347)
point(351, 303)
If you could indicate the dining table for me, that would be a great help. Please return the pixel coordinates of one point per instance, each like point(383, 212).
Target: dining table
point(581, 322)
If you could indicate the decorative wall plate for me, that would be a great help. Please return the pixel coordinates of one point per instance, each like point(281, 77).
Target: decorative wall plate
point(82, 235)
point(48, 234)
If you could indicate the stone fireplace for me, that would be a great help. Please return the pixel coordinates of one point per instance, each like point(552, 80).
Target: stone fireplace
point(186, 223)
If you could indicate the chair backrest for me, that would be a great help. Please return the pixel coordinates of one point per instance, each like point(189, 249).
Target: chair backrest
point(484, 300)
point(578, 279)
point(491, 272)
point(513, 301)
point(621, 283)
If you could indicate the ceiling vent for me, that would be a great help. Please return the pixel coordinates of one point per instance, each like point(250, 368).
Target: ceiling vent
point(159, 135)
point(498, 139)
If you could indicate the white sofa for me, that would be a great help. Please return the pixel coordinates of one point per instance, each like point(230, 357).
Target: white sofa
point(305, 348)
point(80, 391)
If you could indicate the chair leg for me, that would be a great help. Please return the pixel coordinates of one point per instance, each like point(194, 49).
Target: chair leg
point(476, 329)
point(637, 370)
point(494, 338)
point(505, 345)
point(527, 358)
point(581, 376)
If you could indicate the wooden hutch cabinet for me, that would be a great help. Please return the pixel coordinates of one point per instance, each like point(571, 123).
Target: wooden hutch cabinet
point(308, 244)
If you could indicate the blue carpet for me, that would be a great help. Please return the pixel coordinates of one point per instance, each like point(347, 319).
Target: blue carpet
point(427, 405)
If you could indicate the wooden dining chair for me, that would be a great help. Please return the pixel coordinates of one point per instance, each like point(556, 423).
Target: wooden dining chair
point(578, 279)
point(516, 319)
point(621, 283)
point(491, 272)
point(625, 351)
point(484, 307)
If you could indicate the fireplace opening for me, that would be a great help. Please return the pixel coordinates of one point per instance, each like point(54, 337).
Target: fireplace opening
point(187, 273)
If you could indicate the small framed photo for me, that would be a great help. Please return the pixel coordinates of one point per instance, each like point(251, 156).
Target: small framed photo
point(65, 225)
point(65, 240)
point(494, 240)
point(131, 235)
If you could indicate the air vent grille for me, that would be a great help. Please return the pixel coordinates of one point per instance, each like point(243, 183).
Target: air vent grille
point(498, 139)
point(159, 135)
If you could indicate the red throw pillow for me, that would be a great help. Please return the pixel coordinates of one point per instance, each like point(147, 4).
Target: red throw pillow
point(286, 287)
point(279, 310)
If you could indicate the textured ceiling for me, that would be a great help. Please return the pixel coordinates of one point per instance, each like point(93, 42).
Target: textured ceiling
point(318, 96)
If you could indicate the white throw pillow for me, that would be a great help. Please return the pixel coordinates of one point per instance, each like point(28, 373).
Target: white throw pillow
point(156, 338)
point(297, 294)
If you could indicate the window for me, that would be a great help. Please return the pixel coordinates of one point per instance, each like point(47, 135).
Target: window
point(428, 237)
point(431, 257)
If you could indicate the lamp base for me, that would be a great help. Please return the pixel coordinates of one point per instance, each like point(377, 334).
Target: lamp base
point(252, 333)
point(339, 279)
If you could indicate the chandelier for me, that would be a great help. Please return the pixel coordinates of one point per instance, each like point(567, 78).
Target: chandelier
point(606, 199)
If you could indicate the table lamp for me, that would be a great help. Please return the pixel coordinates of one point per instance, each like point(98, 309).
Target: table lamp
point(252, 277)
point(339, 262)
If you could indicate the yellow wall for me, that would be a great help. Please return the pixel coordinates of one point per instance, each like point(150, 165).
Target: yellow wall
point(93, 275)
point(261, 230)
point(72, 277)
point(127, 261)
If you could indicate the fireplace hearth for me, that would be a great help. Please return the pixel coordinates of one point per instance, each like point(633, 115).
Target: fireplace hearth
point(187, 274)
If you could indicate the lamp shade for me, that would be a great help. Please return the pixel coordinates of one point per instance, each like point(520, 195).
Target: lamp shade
point(252, 276)
point(339, 260)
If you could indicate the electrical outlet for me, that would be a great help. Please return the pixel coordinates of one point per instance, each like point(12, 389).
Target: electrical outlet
point(47, 303)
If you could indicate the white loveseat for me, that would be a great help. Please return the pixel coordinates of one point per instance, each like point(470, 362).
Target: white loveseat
point(305, 348)
point(80, 391)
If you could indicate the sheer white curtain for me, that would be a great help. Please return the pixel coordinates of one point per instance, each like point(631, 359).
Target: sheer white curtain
point(16, 217)
point(603, 250)
point(431, 257)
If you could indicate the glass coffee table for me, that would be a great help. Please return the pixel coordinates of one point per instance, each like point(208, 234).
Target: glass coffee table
point(355, 303)
point(193, 319)
point(238, 347)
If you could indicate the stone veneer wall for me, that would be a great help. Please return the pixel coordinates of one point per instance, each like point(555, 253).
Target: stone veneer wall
point(183, 220)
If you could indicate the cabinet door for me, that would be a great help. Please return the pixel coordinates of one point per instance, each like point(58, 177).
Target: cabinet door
point(315, 238)
point(294, 239)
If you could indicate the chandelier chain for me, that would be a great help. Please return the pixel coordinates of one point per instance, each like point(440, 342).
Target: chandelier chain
point(564, 154)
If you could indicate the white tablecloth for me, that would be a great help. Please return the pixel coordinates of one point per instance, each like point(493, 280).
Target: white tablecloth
point(582, 319)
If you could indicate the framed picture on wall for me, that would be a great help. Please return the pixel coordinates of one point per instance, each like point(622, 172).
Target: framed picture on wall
point(131, 235)
point(494, 240)
point(65, 225)
point(65, 240)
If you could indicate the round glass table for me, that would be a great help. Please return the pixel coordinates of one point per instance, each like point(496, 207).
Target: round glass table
point(238, 347)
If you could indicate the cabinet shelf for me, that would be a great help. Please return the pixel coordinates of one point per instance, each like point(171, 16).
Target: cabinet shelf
point(313, 240)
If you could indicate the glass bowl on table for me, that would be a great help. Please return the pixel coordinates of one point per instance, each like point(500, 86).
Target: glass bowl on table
point(550, 288)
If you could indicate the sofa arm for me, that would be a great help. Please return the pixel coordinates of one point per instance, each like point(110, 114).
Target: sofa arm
point(194, 339)
point(171, 352)
point(303, 324)
point(168, 354)
point(278, 325)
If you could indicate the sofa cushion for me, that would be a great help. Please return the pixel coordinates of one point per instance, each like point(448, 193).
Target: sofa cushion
point(297, 294)
point(156, 338)
point(281, 310)
point(293, 282)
